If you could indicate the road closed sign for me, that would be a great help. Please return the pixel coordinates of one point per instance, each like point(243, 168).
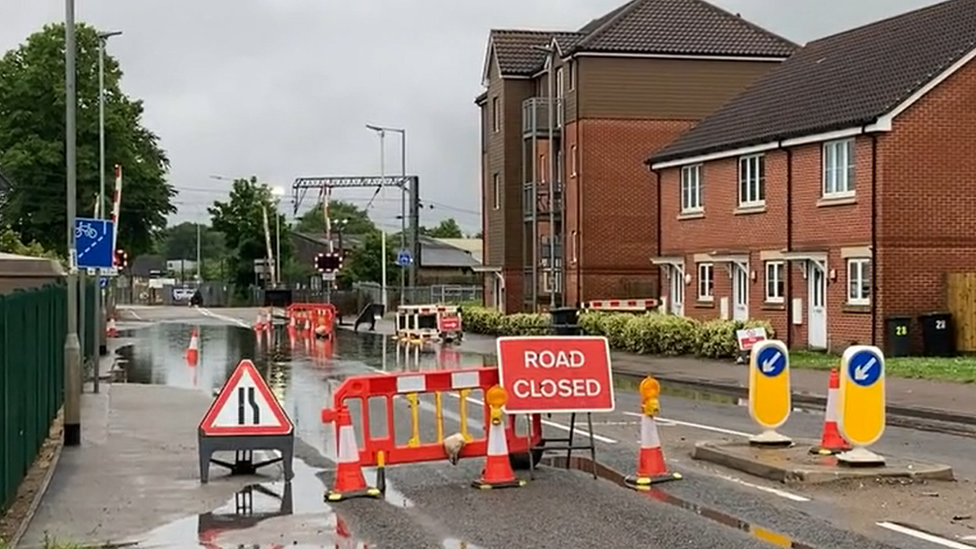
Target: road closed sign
point(555, 374)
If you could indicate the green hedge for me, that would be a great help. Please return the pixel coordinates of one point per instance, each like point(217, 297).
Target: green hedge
point(647, 333)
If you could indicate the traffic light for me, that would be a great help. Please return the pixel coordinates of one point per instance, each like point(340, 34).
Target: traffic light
point(121, 259)
point(328, 262)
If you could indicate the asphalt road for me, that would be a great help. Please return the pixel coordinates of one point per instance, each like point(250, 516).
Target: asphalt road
point(431, 505)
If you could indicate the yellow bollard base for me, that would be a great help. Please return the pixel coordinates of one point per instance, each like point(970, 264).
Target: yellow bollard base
point(332, 495)
point(645, 483)
point(481, 485)
point(818, 451)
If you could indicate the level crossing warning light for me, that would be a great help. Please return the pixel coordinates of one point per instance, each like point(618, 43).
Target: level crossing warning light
point(328, 262)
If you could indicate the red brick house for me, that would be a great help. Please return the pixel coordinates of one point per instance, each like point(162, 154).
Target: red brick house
point(563, 200)
point(836, 191)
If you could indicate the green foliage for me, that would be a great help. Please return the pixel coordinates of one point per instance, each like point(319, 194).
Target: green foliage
point(32, 137)
point(180, 242)
point(345, 216)
point(447, 228)
point(241, 221)
point(648, 333)
point(10, 243)
point(364, 265)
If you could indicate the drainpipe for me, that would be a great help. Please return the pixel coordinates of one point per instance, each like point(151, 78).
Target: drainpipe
point(788, 299)
point(874, 239)
point(579, 197)
point(657, 177)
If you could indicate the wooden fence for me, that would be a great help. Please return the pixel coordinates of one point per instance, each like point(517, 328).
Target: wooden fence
point(961, 299)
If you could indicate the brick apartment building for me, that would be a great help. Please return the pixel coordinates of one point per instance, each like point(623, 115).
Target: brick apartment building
point(836, 191)
point(624, 85)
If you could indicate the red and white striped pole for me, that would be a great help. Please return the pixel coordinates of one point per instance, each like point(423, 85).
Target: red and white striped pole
point(116, 204)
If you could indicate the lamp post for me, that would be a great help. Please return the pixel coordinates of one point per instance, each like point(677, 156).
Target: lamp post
point(383, 298)
point(72, 345)
point(277, 192)
point(403, 198)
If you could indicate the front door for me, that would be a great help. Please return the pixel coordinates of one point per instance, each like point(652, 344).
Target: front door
point(740, 293)
point(499, 292)
point(817, 321)
point(677, 292)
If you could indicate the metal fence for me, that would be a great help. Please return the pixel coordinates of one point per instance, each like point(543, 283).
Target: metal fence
point(421, 294)
point(32, 333)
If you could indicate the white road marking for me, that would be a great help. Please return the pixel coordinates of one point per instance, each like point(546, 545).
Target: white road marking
point(218, 316)
point(781, 493)
point(665, 421)
point(918, 534)
point(582, 432)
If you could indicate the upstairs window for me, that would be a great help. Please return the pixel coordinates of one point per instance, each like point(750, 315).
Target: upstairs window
point(752, 181)
point(496, 191)
point(496, 115)
point(691, 189)
point(838, 168)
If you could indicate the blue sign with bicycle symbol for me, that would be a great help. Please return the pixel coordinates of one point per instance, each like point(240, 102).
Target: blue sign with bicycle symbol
point(94, 246)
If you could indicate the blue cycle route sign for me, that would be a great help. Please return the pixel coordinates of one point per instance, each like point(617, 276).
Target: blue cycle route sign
point(94, 246)
point(865, 368)
point(771, 361)
point(404, 258)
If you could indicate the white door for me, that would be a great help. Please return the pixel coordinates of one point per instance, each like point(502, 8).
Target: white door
point(497, 291)
point(740, 293)
point(677, 292)
point(817, 321)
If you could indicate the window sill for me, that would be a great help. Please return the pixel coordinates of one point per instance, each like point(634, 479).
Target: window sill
point(690, 215)
point(828, 201)
point(749, 210)
point(704, 304)
point(856, 309)
point(767, 306)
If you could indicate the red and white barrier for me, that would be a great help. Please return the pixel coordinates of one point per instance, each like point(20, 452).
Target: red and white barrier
point(622, 304)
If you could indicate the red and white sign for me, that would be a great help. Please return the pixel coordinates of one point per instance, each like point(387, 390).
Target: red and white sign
point(749, 337)
point(450, 323)
point(555, 374)
point(246, 406)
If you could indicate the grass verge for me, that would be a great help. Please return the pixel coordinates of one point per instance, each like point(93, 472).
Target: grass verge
point(956, 369)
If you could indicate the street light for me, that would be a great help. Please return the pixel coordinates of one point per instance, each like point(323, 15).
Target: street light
point(101, 213)
point(72, 345)
point(278, 192)
point(381, 130)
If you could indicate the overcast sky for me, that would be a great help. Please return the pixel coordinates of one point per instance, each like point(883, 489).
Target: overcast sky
point(282, 88)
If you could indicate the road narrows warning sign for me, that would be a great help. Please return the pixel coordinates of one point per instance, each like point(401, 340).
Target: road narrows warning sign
point(556, 374)
point(246, 406)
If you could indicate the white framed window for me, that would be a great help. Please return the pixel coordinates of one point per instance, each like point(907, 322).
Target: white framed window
point(496, 115)
point(560, 83)
point(775, 281)
point(543, 168)
point(572, 75)
point(573, 160)
point(496, 191)
point(859, 281)
point(691, 189)
point(706, 282)
point(574, 242)
point(752, 181)
point(552, 281)
point(838, 168)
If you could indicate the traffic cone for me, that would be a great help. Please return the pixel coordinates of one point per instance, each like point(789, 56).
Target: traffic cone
point(498, 472)
point(111, 330)
point(349, 480)
point(651, 468)
point(831, 442)
point(193, 351)
point(259, 322)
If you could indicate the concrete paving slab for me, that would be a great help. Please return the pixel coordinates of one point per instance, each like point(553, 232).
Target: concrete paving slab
point(796, 465)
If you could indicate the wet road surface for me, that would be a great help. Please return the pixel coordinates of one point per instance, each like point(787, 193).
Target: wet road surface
point(431, 505)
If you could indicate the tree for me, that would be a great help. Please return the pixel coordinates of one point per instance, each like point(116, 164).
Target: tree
point(241, 220)
point(180, 242)
point(11, 243)
point(479, 235)
point(447, 228)
point(363, 263)
point(355, 220)
point(32, 135)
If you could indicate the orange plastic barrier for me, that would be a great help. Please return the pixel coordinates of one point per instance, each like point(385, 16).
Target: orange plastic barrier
point(312, 317)
point(383, 449)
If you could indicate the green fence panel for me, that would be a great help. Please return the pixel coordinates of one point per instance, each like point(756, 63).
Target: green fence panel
point(32, 332)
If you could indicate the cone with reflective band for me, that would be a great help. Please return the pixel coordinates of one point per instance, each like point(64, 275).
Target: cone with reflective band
point(498, 472)
point(349, 480)
point(193, 351)
point(831, 442)
point(651, 468)
point(111, 330)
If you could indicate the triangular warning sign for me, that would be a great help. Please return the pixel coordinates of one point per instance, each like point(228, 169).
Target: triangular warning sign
point(245, 406)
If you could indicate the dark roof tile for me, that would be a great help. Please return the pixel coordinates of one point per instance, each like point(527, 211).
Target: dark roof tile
point(842, 81)
point(517, 50)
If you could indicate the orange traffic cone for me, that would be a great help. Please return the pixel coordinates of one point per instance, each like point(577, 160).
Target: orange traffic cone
point(651, 468)
point(831, 442)
point(349, 480)
point(111, 330)
point(193, 351)
point(498, 472)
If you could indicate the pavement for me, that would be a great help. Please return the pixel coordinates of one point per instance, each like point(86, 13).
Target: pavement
point(140, 441)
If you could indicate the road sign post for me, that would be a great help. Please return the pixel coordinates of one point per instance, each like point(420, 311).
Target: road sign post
point(861, 414)
point(94, 245)
point(770, 398)
point(557, 374)
point(243, 418)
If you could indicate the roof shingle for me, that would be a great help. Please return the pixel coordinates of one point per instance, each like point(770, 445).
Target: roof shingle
point(670, 27)
point(842, 81)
